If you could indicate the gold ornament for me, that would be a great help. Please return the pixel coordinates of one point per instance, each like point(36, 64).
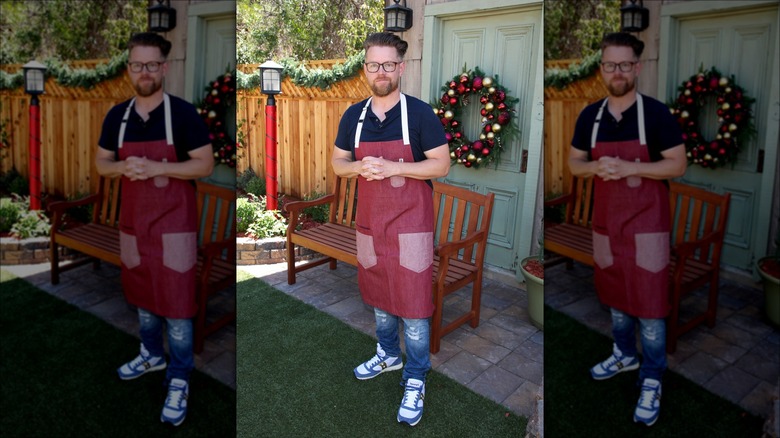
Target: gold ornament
point(496, 127)
point(487, 82)
point(449, 114)
point(489, 106)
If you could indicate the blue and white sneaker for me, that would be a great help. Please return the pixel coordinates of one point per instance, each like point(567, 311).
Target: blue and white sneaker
point(617, 363)
point(411, 409)
point(175, 408)
point(649, 405)
point(377, 365)
point(141, 365)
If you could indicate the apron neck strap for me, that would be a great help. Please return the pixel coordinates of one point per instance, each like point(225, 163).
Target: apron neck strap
point(640, 119)
point(168, 124)
point(404, 121)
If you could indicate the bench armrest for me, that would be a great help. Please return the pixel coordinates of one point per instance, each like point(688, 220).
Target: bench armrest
point(295, 208)
point(447, 249)
point(558, 200)
point(686, 250)
point(59, 208)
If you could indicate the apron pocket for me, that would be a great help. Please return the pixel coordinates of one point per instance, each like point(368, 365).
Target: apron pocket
point(180, 251)
point(634, 181)
point(160, 181)
point(416, 250)
point(652, 251)
point(128, 250)
point(365, 248)
point(397, 181)
point(602, 253)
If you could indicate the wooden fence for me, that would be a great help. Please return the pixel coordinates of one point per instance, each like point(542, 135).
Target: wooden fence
point(561, 108)
point(71, 121)
point(307, 123)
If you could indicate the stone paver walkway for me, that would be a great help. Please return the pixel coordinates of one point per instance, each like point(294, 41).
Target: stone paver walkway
point(738, 359)
point(501, 359)
point(99, 292)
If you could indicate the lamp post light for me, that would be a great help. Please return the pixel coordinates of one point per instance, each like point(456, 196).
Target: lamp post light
point(162, 17)
point(398, 18)
point(34, 83)
point(634, 18)
point(270, 85)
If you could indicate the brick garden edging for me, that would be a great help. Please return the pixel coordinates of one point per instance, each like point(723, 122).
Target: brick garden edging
point(268, 251)
point(30, 251)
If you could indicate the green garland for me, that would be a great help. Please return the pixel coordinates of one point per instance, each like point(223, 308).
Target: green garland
point(560, 78)
point(68, 76)
point(302, 76)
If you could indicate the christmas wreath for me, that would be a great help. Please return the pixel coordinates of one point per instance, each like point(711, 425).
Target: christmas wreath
point(734, 116)
point(220, 98)
point(497, 112)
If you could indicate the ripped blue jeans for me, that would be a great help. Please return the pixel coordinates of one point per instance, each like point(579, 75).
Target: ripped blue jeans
point(653, 336)
point(417, 337)
point(179, 342)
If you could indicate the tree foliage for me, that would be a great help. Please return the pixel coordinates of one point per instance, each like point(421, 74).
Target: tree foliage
point(304, 29)
point(573, 29)
point(67, 29)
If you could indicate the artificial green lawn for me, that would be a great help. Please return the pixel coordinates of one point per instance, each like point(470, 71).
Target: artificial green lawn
point(294, 378)
point(576, 405)
point(58, 376)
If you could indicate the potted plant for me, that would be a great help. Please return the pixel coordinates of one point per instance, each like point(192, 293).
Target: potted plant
point(769, 269)
point(533, 272)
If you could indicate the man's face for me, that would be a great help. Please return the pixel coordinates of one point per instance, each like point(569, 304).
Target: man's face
point(381, 82)
point(619, 82)
point(147, 83)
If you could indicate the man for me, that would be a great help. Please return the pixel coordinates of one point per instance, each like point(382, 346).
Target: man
point(631, 144)
point(157, 143)
point(394, 144)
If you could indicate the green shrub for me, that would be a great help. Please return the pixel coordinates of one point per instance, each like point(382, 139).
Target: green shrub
point(10, 212)
point(268, 223)
point(81, 213)
point(250, 183)
point(31, 224)
point(13, 182)
point(243, 178)
point(245, 214)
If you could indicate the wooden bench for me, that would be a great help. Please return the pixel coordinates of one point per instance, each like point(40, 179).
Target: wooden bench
point(698, 228)
point(99, 240)
point(462, 220)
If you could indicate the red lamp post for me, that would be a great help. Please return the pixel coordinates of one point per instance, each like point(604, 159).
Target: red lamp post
point(34, 81)
point(271, 85)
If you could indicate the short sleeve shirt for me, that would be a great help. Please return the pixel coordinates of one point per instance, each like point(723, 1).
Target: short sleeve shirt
point(662, 130)
point(189, 130)
point(425, 129)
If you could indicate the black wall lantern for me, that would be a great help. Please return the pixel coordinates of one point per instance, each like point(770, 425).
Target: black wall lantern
point(398, 18)
point(162, 17)
point(634, 18)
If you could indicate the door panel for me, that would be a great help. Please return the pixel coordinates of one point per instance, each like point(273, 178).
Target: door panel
point(503, 44)
point(742, 44)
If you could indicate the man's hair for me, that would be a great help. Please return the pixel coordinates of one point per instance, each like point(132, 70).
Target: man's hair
point(386, 39)
point(623, 39)
point(150, 39)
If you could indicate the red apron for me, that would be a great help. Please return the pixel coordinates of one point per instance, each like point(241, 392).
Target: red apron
point(158, 232)
point(631, 231)
point(394, 232)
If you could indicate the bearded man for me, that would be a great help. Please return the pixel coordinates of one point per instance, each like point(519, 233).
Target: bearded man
point(157, 144)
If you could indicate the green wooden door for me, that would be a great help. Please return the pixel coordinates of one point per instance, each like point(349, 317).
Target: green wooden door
point(502, 42)
point(742, 42)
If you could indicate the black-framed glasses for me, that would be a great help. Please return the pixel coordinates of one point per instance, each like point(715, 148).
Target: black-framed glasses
point(388, 66)
point(625, 66)
point(138, 67)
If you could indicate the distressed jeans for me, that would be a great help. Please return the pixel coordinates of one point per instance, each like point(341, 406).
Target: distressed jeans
point(417, 338)
point(653, 336)
point(179, 342)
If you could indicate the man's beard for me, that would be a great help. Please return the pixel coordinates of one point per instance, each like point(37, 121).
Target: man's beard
point(147, 88)
point(621, 89)
point(385, 88)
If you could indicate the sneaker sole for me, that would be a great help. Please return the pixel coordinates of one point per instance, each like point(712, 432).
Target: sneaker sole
point(622, 370)
point(154, 368)
point(392, 368)
point(410, 424)
point(639, 420)
point(163, 420)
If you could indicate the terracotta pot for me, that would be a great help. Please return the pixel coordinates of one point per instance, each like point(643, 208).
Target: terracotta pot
point(771, 293)
point(535, 287)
